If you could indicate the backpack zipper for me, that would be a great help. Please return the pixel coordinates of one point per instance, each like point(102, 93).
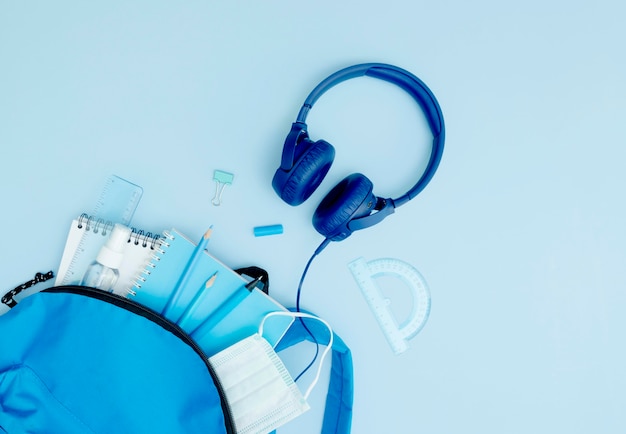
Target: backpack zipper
point(140, 309)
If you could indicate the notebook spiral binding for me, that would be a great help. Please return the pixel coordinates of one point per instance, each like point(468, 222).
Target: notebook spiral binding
point(137, 236)
point(160, 250)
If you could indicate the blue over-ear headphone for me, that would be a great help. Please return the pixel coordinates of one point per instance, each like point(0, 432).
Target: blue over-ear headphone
point(351, 204)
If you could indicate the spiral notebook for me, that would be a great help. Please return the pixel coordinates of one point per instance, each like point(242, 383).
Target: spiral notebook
point(155, 284)
point(87, 235)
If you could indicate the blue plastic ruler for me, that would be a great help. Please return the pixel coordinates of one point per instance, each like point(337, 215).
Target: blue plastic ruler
point(118, 201)
point(116, 204)
point(397, 333)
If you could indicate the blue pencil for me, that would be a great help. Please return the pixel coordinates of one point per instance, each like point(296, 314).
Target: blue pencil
point(184, 317)
point(184, 277)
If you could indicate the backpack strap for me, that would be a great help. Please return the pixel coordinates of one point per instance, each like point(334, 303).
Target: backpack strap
point(338, 410)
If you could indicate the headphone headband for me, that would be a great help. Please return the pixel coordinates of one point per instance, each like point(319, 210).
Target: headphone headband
point(414, 87)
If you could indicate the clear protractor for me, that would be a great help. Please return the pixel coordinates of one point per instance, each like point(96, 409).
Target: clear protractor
point(396, 332)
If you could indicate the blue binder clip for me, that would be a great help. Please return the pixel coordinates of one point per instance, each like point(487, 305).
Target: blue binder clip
point(222, 179)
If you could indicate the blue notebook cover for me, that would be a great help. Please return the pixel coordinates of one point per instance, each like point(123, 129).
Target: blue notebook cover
point(157, 281)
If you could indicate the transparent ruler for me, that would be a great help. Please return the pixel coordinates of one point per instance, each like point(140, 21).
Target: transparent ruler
point(397, 333)
point(116, 204)
point(118, 201)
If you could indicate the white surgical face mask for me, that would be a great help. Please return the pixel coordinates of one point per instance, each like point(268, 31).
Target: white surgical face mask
point(260, 392)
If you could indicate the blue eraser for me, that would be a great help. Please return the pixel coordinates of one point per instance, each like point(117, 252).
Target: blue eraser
point(261, 231)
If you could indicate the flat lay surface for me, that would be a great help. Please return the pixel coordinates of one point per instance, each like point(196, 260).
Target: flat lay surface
point(519, 237)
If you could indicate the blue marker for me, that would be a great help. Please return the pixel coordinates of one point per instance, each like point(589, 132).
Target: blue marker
point(224, 309)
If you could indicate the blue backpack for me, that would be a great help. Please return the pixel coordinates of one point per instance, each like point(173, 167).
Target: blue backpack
point(79, 360)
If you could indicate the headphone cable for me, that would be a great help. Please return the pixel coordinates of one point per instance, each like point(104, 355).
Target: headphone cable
point(306, 269)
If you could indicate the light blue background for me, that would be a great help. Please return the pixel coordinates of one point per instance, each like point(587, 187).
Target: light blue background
point(520, 235)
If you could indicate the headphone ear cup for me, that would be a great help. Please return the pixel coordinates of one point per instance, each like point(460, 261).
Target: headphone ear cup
point(351, 198)
point(297, 184)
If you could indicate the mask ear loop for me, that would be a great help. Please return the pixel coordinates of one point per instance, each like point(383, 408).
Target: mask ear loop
point(326, 350)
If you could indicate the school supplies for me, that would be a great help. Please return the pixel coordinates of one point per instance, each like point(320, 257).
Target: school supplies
point(127, 351)
point(227, 306)
point(117, 203)
point(87, 235)
point(197, 299)
point(118, 200)
point(262, 231)
point(154, 286)
point(189, 267)
point(222, 179)
point(397, 334)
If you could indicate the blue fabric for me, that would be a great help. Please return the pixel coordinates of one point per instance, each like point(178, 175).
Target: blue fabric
point(338, 410)
point(74, 364)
